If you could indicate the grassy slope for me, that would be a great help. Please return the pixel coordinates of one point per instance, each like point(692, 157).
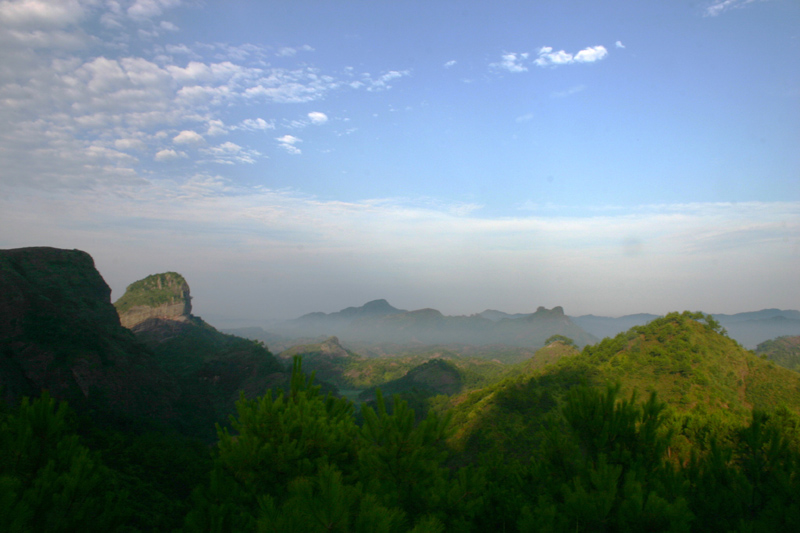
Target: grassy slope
point(680, 357)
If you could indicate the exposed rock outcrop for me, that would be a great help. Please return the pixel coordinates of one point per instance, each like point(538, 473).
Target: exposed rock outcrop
point(164, 296)
point(59, 331)
point(210, 367)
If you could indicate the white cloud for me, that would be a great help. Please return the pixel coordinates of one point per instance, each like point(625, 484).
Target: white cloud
point(30, 14)
point(169, 26)
point(168, 155)
point(547, 57)
point(317, 117)
point(287, 142)
point(527, 117)
point(188, 137)
point(288, 139)
point(591, 54)
point(254, 124)
point(619, 44)
point(130, 144)
point(450, 63)
point(216, 127)
point(512, 62)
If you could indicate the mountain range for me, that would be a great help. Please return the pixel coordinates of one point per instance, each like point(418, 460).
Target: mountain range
point(378, 322)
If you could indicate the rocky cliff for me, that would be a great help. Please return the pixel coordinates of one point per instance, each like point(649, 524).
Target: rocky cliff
point(59, 331)
point(210, 367)
point(164, 296)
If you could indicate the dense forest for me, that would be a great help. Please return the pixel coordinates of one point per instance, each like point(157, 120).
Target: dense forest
point(586, 455)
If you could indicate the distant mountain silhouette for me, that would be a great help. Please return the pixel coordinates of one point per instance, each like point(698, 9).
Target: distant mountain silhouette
point(604, 326)
point(753, 328)
point(379, 322)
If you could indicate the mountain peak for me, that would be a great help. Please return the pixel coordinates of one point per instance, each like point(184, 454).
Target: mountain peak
point(164, 295)
point(379, 306)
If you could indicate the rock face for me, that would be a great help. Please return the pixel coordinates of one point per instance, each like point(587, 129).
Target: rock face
point(210, 367)
point(164, 296)
point(59, 331)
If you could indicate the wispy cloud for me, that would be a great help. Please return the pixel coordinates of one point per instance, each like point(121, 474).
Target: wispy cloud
point(569, 92)
point(720, 6)
point(512, 62)
point(229, 153)
point(450, 63)
point(64, 90)
point(288, 142)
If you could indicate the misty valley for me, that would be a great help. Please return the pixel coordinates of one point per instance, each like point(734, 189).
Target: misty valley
point(140, 416)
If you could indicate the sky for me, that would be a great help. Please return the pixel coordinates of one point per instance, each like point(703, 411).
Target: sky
point(609, 157)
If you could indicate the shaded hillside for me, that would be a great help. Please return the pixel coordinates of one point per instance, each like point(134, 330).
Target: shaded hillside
point(328, 359)
point(276, 343)
point(546, 355)
point(59, 331)
point(211, 367)
point(434, 377)
point(681, 357)
point(784, 351)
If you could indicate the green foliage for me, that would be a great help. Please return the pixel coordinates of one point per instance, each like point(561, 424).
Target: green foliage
point(610, 469)
point(277, 440)
point(49, 481)
point(400, 459)
point(560, 338)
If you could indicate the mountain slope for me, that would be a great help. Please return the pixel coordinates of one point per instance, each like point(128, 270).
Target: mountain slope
point(784, 351)
point(211, 367)
point(681, 357)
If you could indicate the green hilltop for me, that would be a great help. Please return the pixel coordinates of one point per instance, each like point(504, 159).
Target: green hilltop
point(684, 358)
point(153, 291)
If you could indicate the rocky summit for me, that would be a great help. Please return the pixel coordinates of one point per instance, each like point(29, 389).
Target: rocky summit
point(164, 296)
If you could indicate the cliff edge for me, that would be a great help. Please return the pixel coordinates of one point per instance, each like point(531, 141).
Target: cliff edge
point(164, 296)
point(59, 332)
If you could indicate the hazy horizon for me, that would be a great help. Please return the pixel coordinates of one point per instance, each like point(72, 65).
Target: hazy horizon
point(611, 158)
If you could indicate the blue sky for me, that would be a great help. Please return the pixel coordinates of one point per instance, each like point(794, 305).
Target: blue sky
point(289, 157)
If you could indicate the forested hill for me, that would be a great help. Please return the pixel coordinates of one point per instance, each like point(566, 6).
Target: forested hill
point(683, 358)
